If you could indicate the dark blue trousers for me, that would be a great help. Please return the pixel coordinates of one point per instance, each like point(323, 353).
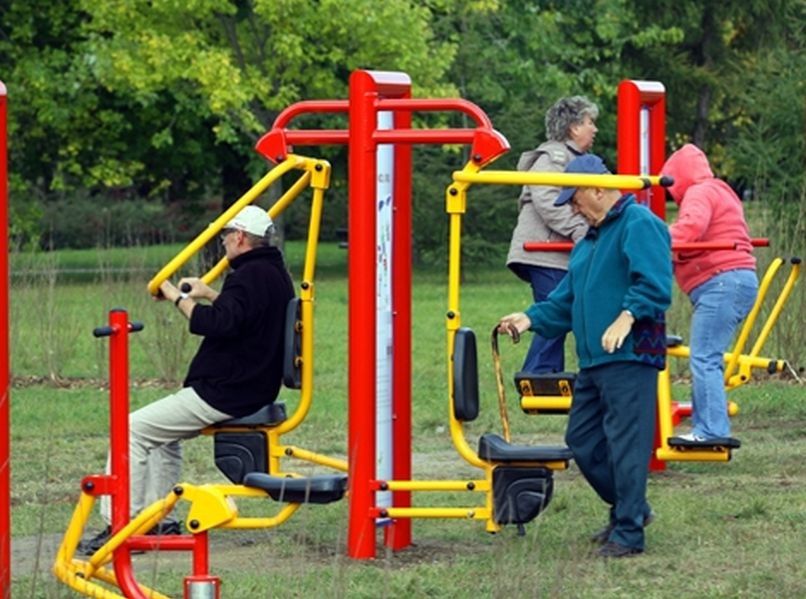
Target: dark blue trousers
point(544, 355)
point(610, 431)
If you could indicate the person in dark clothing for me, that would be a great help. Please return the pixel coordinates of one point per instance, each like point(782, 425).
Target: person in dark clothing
point(236, 370)
point(618, 286)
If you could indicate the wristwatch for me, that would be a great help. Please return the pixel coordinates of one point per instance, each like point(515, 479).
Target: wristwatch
point(180, 297)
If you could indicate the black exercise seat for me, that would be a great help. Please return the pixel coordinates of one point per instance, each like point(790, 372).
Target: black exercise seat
point(267, 416)
point(313, 489)
point(673, 340)
point(717, 443)
point(493, 448)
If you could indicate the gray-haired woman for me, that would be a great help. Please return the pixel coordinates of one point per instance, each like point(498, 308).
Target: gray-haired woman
point(570, 130)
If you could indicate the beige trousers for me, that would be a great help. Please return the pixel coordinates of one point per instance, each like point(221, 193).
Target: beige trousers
point(155, 454)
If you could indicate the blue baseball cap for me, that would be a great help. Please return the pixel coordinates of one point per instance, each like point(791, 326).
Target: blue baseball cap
point(587, 164)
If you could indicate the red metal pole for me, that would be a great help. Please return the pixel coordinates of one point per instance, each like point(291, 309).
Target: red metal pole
point(628, 106)
point(398, 535)
point(439, 104)
point(119, 444)
point(362, 310)
point(632, 97)
point(567, 246)
point(657, 153)
point(119, 415)
point(5, 388)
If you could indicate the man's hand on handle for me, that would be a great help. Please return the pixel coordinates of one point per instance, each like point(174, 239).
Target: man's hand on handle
point(513, 325)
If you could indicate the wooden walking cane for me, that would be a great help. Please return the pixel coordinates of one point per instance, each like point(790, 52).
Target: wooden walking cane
point(499, 378)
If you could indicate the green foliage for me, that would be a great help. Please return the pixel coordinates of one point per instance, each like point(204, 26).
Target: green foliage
point(101, 221)
point(163, 100)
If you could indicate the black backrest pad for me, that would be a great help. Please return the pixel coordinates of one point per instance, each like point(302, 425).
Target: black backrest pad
point(465, 376)
point(292, 373)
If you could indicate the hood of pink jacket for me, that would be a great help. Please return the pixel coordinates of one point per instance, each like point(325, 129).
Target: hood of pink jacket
point(688, 166)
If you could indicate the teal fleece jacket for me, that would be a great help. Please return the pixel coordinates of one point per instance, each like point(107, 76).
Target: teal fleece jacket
point(623, 264)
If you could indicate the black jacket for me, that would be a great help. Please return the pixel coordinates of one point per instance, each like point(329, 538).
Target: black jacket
point(239, 365)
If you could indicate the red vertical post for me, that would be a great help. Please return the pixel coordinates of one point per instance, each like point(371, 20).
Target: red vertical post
point(398, 535)
point(5, 388)
point(628, 150)
point(657, 152)
point(633, 98)
point(119, 415)
point(361, 328)
point(119, 443)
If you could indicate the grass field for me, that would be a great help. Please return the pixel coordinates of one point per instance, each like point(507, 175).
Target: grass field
point(723, 530)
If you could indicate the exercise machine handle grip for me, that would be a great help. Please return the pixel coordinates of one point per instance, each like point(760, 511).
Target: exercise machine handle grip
point(108, 331)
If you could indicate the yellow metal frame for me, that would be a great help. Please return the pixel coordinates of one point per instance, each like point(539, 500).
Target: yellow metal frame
point(315, 172)
point(739, 366)
point(738, 369)
point(455, 207)
point(213, 506)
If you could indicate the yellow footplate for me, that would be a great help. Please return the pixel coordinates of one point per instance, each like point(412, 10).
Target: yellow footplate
point(545, 393)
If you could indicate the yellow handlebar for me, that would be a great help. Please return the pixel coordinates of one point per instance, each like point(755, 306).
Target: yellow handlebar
point(309, 165)
point(559, 179)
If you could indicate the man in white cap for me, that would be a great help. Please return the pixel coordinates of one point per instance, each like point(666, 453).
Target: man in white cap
point(236, 370)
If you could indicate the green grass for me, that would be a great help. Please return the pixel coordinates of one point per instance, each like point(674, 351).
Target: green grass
point(723, 530)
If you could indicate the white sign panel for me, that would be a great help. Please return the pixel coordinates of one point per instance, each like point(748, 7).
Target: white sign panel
point(383, 358)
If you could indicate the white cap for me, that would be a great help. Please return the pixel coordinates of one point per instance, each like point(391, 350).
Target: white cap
point(251, 219)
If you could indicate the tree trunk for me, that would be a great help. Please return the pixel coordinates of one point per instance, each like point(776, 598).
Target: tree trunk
point(704, 59)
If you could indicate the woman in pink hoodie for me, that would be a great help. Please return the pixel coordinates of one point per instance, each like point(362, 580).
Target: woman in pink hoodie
point(721, 284)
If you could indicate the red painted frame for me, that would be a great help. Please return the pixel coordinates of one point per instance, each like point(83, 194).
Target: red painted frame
point(632, 97)
point(372, 92)
point(5, 387)
point(116, 482)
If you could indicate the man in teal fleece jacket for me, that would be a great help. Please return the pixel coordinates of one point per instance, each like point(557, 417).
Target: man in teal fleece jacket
point(618, 286)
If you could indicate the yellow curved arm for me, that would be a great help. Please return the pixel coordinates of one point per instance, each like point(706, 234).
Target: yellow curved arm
point(764, 287)
point(292, 162)
point(277, 209)
point(792, 279)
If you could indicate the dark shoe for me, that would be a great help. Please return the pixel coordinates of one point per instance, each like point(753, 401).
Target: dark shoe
point(600, 537)
point(614, 550)
point(166, 527)
point(91, 545)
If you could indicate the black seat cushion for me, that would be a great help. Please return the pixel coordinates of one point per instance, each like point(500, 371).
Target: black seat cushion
point(269, 415)
point(312, 489)
point(493, 448)
point(465, 376)
point(673, 340)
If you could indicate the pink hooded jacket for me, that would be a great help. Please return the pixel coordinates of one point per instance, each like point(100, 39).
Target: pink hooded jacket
point(709, 211)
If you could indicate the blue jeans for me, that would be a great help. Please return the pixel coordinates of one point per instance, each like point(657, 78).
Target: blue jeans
point(720, 304)
point(544, 355)
point(610, 431)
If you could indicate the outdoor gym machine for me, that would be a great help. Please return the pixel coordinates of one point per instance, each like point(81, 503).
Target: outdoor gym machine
point(641, 150)
point(248, 450)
